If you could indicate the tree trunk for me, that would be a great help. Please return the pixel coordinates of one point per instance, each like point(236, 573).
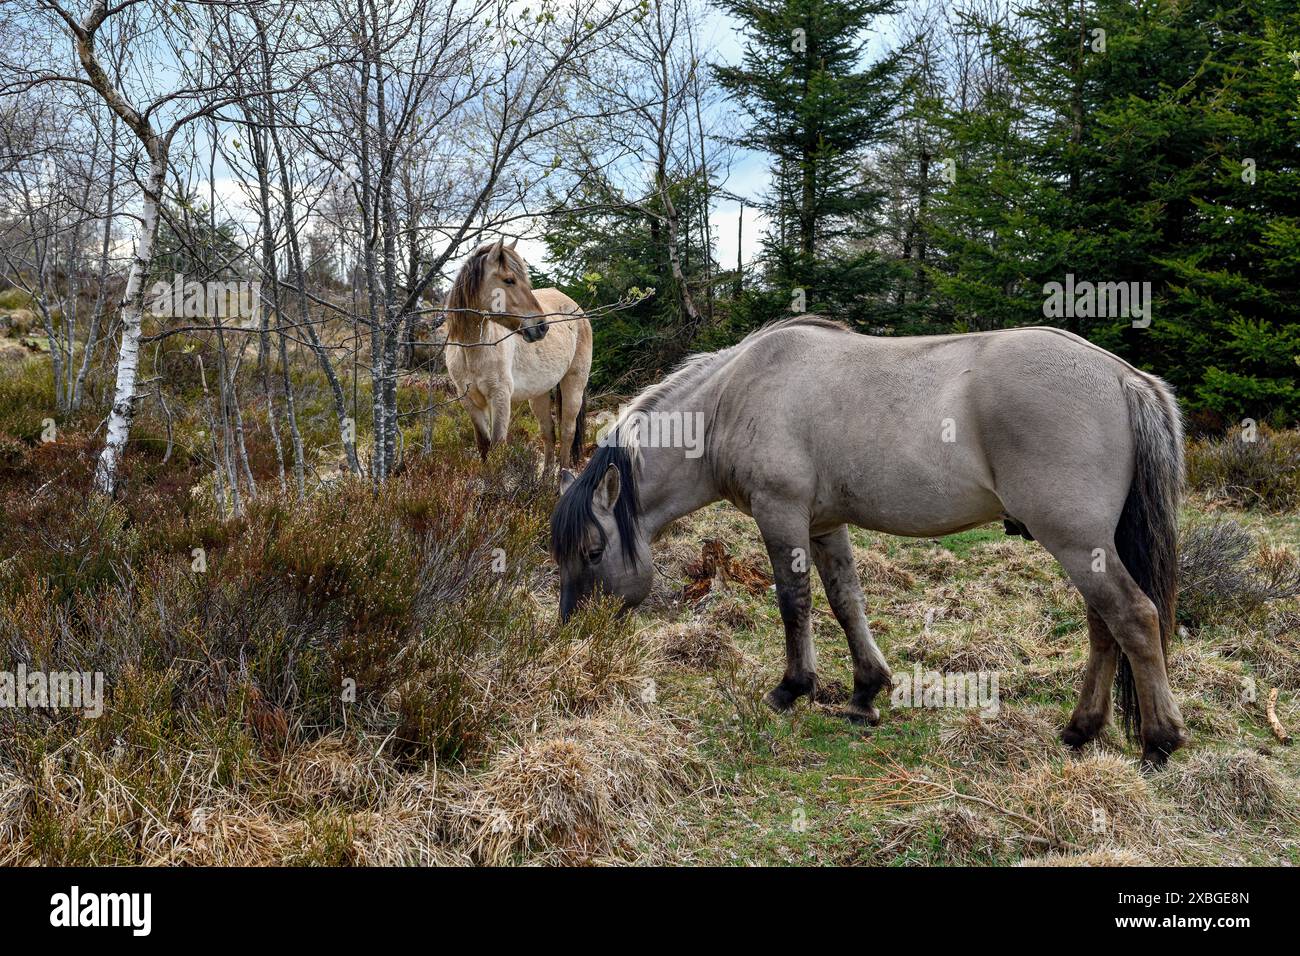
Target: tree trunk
point(128, 360)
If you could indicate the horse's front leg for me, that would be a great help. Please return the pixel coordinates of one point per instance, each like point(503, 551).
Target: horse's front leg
point(785, 533)
point(499, 406)
point(482, 425)
point(833, 554)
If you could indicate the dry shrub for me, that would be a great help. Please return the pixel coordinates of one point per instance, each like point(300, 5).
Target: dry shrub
point(942, 834)
point(1096, 798)
point(1227, 787)
point(464, 689)
point(589, 790)
point(716, 570)
point(1221, 574)
point(1016, 737)
point(695, 644)
point(1264, 473)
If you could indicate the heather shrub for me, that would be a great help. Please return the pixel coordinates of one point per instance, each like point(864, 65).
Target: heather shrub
point(1222, 574)
point(1264, 473)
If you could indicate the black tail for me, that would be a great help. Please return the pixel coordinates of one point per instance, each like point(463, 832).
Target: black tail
point(579, 426)
point(1147, 536)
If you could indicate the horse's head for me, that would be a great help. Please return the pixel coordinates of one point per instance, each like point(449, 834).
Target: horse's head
point(596, 535)
point(494, 282)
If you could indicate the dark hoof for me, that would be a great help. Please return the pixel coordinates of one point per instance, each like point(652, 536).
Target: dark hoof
point(1076, 736)
point(1157, 748)
point(782, 697)
point(861, 716)
point(1153, 761)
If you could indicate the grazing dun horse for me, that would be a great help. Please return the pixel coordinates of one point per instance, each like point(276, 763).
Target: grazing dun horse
point(809, 428)
point(491, 367)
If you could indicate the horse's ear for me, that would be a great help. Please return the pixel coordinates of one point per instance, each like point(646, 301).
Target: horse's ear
point(498, 250)
point(606, 495)
point(567, 478)
point(513, 243)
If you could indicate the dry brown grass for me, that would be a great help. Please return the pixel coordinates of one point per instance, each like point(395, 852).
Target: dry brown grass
point(944, 834)
point(1102, 856)
point(930, 562)
point(1016, 737)
point(879, 573)
point(696, 644)
point(1098, 798)
point(588, 790)
point(1228, 787)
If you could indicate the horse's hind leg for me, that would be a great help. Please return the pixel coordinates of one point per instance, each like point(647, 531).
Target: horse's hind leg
point(1096, 570)
point(786, 535)
point(541, 406)
point(1093, 709)
point(571, 387)
point(833, 554)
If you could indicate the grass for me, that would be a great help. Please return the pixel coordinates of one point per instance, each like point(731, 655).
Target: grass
point(348, 683)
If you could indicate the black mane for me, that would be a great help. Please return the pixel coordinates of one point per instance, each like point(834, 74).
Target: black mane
point(574, 511)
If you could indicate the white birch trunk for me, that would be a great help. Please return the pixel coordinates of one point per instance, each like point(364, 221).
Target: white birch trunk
point(128, 360)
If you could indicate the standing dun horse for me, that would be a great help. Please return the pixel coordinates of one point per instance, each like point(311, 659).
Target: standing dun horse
point(809, 428)
point(491, 367)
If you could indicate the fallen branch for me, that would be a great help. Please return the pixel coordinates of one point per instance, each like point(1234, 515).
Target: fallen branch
point(1270, 711)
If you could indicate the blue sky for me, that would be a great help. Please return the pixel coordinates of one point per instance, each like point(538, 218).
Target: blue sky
point(747, 176)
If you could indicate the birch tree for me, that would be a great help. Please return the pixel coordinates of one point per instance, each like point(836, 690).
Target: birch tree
point(153, 118)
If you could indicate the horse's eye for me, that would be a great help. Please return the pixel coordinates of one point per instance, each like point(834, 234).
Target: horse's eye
point(508, 281)
point(595, 555)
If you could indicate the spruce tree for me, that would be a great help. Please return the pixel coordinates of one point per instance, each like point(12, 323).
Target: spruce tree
point(1149, 144)
point(814, 105)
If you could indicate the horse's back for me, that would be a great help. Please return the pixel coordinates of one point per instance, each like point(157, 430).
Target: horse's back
point(922, 434)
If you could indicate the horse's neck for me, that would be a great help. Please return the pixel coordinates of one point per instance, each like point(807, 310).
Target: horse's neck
point(480, 333)
point(674, 485)
point(468, 331)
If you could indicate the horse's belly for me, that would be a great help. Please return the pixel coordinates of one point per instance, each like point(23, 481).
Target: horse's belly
point(912, 501)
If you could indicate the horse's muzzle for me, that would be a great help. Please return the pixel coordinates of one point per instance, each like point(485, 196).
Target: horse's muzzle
point(534, 333)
